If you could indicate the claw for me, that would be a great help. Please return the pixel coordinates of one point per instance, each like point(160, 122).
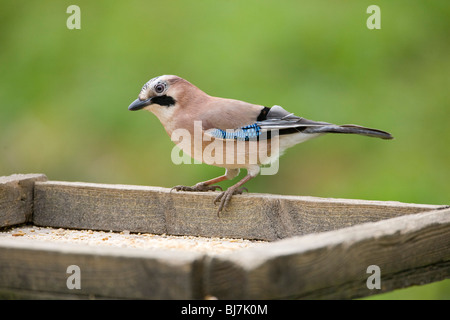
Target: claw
point(198, 187)
point(225, 197)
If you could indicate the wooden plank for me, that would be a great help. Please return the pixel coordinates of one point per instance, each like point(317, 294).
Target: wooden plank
point(409, 250)
point(99, 207)
point(157, 210)
point(33, 269)
point(16, 198)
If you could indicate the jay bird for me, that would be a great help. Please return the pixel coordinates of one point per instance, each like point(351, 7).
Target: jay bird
point(232, 125)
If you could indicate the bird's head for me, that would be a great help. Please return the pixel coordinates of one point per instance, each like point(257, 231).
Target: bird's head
point(169, 97)
point(159, 91)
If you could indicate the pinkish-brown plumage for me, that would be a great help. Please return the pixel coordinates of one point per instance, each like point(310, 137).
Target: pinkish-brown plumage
point(229, 133)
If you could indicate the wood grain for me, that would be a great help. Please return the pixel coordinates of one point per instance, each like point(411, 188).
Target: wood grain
point(409, 250)
point(157, 210)
point(16, 198)
point(39, 269)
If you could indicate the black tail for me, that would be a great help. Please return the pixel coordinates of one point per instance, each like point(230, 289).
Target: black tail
point(349, 128)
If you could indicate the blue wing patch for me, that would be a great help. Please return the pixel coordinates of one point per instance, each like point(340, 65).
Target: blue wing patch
point(251, 132)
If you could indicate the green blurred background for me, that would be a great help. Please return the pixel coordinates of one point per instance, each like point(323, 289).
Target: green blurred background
point(64, 93)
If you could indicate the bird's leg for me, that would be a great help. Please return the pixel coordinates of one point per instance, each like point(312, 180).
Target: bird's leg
point(225, 196)
point(208, 185)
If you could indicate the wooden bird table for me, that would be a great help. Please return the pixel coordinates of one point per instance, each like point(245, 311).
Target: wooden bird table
point(305, 247)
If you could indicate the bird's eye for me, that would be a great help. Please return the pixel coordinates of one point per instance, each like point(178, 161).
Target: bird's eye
point(159, 88)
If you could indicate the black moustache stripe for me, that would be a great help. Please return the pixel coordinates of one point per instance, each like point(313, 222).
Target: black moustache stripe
point(164, 101)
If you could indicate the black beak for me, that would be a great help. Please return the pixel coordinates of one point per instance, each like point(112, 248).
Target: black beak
point(139, 104)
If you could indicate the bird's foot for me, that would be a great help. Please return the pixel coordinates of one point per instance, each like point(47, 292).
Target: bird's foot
point(225, 197)
point(200, 187)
